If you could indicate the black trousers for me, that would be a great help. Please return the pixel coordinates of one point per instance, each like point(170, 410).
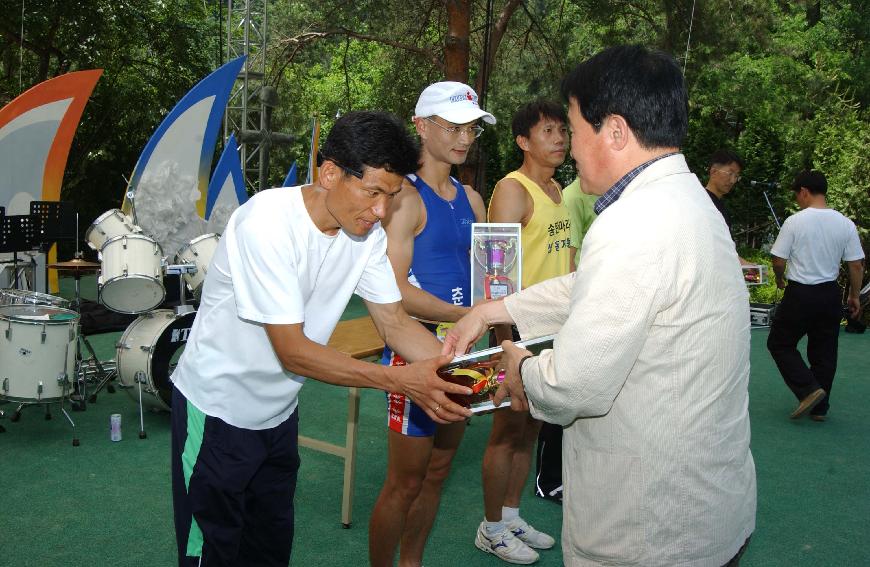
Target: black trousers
point(548, 473)
point(232, 489)
point(814, 311)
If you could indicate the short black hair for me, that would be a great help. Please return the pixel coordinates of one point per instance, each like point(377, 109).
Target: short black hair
point(813, 180)
point(724, 157)
point(371, 138)
point(529, 114)
point(643, 86)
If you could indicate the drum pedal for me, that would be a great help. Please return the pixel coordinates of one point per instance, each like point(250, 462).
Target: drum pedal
point(77, 403)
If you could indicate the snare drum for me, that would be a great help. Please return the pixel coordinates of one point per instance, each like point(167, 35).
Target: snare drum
point(108, 225)
point(151, 346)
point(24, 297)
point(38, 351)
point(131, 279)
point(198, 252)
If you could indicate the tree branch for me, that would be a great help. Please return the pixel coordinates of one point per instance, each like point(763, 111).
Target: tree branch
point(495, 37)
point(297, 42)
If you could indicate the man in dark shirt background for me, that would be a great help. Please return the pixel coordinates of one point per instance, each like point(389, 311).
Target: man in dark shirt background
point(725, 168)
point(724, 173)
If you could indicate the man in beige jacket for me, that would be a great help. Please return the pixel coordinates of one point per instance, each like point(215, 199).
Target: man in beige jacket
point(650, 365)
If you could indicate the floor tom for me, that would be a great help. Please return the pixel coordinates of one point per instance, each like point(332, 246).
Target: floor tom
point(37, 351)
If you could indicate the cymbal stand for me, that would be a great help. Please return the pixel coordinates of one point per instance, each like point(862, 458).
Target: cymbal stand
point(79, 404)
point(67, 384)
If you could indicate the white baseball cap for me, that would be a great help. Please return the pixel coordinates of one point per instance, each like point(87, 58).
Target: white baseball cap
point(452, 101)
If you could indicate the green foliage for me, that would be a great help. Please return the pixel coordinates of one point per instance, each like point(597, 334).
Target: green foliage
point(784, 91)
point(151, 52)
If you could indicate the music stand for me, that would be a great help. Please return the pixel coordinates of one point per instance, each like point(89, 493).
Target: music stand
point(17, 234)
point(56, 221)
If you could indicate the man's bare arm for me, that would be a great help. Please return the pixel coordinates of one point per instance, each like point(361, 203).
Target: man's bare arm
point(856, 278)
point(778, 270)
point(300, 355)
point(403, 223)
point(510, 203)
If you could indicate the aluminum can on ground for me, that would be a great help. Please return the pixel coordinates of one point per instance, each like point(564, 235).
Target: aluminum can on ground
point(115, 427)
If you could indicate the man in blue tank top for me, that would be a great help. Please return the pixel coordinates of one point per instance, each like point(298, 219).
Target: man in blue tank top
point(428, 242)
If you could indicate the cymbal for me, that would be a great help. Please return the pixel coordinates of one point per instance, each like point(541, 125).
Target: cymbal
point(76, 264)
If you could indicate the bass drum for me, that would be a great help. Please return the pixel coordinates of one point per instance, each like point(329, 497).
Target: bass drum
point(151, 347)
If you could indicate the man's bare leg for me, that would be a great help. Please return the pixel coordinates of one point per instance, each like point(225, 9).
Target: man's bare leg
point(522, 463)
point(422, 514)
point(505, 440)
point(408, 459)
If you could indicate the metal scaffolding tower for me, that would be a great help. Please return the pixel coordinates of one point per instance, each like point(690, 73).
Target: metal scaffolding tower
point(246, 35)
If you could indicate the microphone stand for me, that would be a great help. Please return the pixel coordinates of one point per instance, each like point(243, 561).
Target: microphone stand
point(770, 206)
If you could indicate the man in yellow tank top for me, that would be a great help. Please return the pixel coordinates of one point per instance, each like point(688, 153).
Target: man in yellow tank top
point(531, 197)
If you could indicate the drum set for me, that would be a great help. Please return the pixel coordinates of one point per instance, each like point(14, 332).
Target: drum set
point(41, 359)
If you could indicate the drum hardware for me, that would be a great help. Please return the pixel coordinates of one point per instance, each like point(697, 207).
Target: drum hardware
point(140, 379)
point(182, 270)
point(78, 267)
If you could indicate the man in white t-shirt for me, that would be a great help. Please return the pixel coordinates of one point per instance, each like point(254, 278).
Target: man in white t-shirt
point(282, 275)
point(813, 242)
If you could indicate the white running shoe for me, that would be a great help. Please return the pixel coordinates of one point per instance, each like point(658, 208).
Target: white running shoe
point(505, 546)
point(529, 535)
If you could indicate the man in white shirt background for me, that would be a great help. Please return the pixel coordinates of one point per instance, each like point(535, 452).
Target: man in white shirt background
point(808, 251)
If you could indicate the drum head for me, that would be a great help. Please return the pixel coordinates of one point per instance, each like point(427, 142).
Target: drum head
point(47, 314)
point(167, 351)
point(132, 294)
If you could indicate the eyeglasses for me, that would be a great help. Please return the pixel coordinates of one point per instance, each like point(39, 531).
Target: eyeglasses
point(321, 158)
point(734, 176)
point(470, 131)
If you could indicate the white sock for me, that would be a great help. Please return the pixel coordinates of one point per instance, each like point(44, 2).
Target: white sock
point(493, 528)
point(508, 514)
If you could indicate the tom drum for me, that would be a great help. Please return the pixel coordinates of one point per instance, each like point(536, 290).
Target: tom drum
point(108, 225)
point(198, 252)
point(132, 274)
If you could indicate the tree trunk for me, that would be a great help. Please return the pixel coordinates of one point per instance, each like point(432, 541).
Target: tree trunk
point(814, 12)
point(456, 47)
